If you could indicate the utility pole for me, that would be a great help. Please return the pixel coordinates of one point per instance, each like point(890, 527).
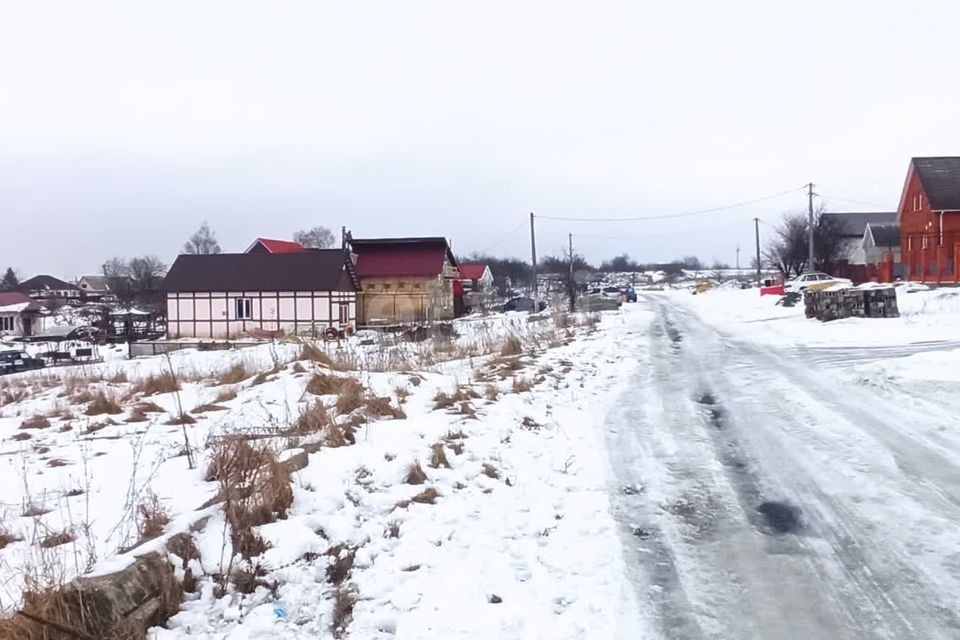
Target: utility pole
point(756, 230)
point(571, 286)
point(738, 260)
point(810, 257)
point(533, 255)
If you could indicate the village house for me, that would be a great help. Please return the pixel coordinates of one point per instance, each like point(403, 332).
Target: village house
point(476, 277)
point(261, 294)
point(406, 279)
point(881, 243)
point(20, 315)
point(929, 218)
point(851, 226)
point(44, 287)
point(265, 245)
point(93, 288)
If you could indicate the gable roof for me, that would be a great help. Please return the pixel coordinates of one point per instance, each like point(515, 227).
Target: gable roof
point(319, 270)
point(395, 257)
point(854, 223)
point(940, 178)
point(95, 283)
point(45, 283)
point(14, 301)
point(884, 235)
point(472, 271)
point(276, 246)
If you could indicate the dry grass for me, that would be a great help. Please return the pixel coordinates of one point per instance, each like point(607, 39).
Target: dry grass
point(33, 510)
point(156, 384)
point(415, 474)
point(460, 394)
point(350, 399)
point(36, 422)
point(120, 377)
point(490, 471)
point(491, 393)
point(226, 395)
point(298, 368)
point(56, 539)
point(255, 487)
point(234, 375)
point(152, 517)
point(402, 393)
point(207, 408)
point(323, 384)
point(438, 456)
point(427, 496)
point(521, 385)
point(21, 436)
point(511, 347)
point(7, 537)
point(313, 418)
point(341, 563)
point(10, 394)
point(183, 418)
point(102, 404)
point(378, 407)
point(344, 600)
point(247, 578)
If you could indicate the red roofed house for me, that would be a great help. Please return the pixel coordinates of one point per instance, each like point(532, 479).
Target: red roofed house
point(265, 245)
point(20, 316)
point(405, 279)
point(476, 277)
point(929, 217)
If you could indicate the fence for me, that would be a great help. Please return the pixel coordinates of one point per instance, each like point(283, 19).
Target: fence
point(136, 349)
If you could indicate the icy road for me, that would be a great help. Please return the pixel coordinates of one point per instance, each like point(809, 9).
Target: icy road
point(762, 493)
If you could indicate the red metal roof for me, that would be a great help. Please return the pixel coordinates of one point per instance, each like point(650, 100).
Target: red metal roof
point(395, 257)
point(10, 298)
point(472, 271)
point(277, 246)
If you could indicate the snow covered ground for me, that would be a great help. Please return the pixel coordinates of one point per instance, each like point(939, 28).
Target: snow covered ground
point(695, 466)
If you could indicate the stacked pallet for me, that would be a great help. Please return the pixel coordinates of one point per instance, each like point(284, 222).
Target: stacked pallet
point(833, 304)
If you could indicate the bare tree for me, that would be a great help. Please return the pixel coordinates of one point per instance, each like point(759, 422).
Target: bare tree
point(203, 242)
point(315, 238)
point(788, 253)
point(134, 280)
point(146, 273)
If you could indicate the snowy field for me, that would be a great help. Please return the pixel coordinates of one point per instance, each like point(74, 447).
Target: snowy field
point(692, 466)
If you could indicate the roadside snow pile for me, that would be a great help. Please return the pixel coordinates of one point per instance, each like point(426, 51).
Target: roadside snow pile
point(297, 496)
point(926, 315)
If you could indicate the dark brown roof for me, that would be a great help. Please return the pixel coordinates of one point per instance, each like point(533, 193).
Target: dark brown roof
point(45, 283)
point(853, 223)
point(321, 270)
point(940, 178)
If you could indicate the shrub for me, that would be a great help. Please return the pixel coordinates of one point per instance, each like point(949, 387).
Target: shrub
point(460, 394)
point(350, 398)
point(490, 471)
point(380, 407)
point(427, 496)
point(323, 384)
point(7, 537)
point(491, 393)
point(341, 563)
point(247, 578)
point(344, 599)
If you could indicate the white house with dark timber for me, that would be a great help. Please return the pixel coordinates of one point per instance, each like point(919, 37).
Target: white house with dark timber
point(238, 295)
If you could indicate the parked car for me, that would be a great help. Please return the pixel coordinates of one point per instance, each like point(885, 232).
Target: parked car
point(631, 295)
point(805, 280)
point(15, 361)
point(523, 303)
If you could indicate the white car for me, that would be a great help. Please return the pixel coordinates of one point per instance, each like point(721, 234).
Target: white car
point(803, 281)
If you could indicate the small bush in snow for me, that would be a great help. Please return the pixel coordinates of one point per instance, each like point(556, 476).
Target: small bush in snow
point(415, 474)
point(102, 404)
point(511, 347)
point(438, 457)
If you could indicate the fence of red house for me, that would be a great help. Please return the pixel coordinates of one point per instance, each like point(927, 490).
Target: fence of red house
point(931, 257)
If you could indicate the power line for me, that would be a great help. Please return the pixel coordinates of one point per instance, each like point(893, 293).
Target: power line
point(852, 201)
point(503, 237)
point(673, 215)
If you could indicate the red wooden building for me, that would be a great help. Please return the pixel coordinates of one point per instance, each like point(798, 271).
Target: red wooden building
point(929, 217)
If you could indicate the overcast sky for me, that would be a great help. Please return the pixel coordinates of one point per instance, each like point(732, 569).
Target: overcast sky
point(125, 125)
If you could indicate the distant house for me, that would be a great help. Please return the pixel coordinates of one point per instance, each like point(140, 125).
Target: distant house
point(850, 227)
point(233, 295)
point(929, 218)
point(44, 287)
point(93, 287)
point(881, 241)
point(405, 279)
point(265, 245)
point(20, 315)
point(476, 277)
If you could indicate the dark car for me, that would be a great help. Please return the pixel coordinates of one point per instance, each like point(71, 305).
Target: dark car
point(14, 361)
point(631, 295)
point(524, 304)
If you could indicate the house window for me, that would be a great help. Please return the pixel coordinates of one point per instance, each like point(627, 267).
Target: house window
point(6, 323)
point(344, 313)
point(244, 308)
point(386, 287)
